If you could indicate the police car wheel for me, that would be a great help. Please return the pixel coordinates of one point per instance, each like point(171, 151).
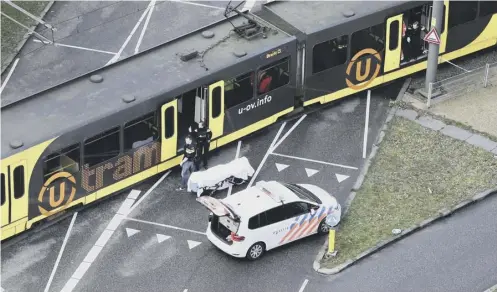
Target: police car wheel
point(323, 227)
point(256, 251)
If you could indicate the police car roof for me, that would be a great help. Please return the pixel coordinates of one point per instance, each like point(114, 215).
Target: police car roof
point(263, 196)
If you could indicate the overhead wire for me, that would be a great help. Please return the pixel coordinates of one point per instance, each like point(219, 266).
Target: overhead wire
point(87, 29)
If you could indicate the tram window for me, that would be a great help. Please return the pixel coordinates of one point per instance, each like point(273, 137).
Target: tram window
point(487, 7)
point(169, 120)
point(394, 35)
point(140, 131)
point(329, 54)
point(461, 12)
point(273, 76)
point(3, 189)
point(63, 159)
point(369, 38)
point(102, 147)
point(216, 102)
point(238, 90)
point(19, 182)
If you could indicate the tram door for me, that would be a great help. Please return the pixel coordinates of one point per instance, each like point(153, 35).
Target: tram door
point(169, 126)
point(216, 110)
point(14, 197)
point(393, 49)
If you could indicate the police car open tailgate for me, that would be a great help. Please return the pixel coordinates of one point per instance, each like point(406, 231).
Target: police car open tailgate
point(214, 205)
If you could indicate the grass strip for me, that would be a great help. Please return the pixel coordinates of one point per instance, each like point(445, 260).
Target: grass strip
point(12, 33)
point(415, 173)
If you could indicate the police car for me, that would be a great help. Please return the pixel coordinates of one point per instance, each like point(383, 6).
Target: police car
point(268, 215)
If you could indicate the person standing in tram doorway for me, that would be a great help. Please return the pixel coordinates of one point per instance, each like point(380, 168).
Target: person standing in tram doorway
point(204, 136)
point(187, 165)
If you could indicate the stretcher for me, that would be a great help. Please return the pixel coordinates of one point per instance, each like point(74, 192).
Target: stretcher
point(220, 177)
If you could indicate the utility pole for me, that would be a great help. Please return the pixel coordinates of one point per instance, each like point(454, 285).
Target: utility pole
point(433, 49)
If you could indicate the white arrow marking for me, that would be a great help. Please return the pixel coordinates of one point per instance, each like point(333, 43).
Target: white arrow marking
point(280, 167)
point(192, 244)
point(311, 172)
point(341, 177)
point(162, 237)
point(131, 231)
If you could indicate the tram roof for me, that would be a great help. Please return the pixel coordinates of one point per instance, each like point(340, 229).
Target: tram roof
point(312, 16)
point(145, 76)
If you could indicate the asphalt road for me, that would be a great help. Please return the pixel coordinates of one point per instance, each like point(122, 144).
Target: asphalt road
point(97, 31)
point(151, 255)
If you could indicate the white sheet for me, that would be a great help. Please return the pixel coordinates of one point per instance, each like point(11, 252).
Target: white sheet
point(239, 168)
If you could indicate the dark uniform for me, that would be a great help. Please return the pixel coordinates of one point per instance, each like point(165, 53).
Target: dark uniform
point(203, 137)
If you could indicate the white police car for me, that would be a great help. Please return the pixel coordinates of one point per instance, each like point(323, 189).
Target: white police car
point(268, 215)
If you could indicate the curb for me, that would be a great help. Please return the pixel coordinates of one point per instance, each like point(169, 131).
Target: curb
point(379, 138)
point(9, 60)
point(491, 289)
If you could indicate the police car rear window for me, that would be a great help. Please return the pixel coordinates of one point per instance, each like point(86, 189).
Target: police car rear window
point(302, 193)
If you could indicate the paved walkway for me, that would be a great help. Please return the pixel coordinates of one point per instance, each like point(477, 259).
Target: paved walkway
point(477, 109)
point(449, 130)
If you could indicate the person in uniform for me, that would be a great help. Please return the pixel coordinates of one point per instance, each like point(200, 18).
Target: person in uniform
point(187, 165)
point(203, 137)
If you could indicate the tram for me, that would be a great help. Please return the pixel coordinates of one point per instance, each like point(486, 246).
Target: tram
point(103, 132)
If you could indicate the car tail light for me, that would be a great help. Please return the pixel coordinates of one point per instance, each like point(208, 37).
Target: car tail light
point(235, 237)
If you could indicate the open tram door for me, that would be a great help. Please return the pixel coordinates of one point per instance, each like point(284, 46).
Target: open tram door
point(169, 132)
point(216, 111)
point(14, 197)
point(405, 35)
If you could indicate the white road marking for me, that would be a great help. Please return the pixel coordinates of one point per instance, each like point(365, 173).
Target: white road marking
point(198, 4)
point(130, 231)
point(341, 177)
point(186, 290)
point(162, 237)
point(134, 194)
point(310, 172)
point(303, 285)
point(116, 57)
point(366, 127)
point(126, 207)
point(29, 14)
point(192, 243)
point(10, 74)
point(280, 166)
point(81, 270)
point(236, 156)
point(97, 247)
point(114, 223)
point(164, 225)
point(288, 133)
point(316, 161)
point(249, 4)
point(64, 242)
point(92, 255)
point(266, 156)
point(104, 237)
point(145, 27)
point(76, 47)
point(149, 192)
